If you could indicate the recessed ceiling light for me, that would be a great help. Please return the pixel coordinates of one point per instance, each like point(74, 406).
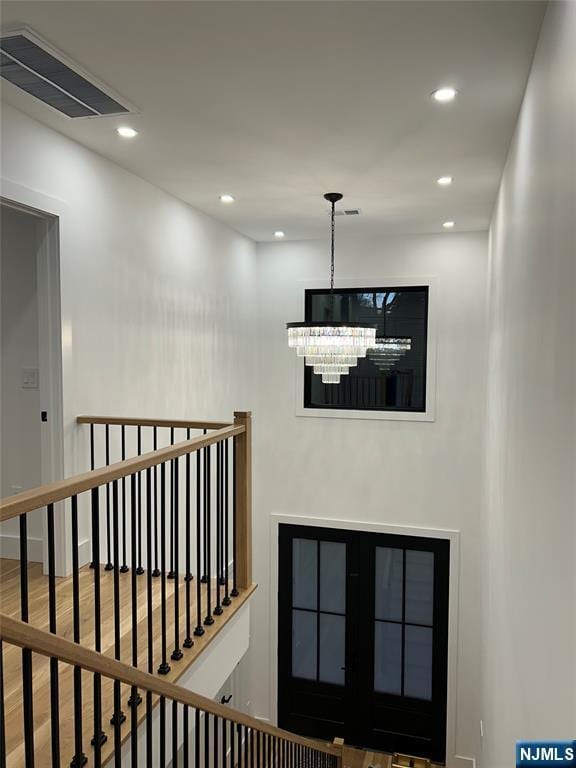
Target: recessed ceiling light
point(444, 94)
point(227, 198)
point(279, 234)
point(448, 224)
point(126, 132)
point(445, 181)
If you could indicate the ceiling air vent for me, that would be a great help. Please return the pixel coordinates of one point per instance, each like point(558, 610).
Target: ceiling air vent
point(348, 212)
point(33, 66)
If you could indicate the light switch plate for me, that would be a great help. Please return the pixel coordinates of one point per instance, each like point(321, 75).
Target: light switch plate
point(30, 378)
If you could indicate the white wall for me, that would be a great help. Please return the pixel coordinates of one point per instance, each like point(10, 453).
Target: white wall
point(529, 613)
point(158, 300)
point(424, 474)
point(20, 463)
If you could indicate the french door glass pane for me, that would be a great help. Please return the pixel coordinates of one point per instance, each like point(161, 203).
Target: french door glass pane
point(332, 645)
point(388, 657)
point(304, 634)
point(332, 577)
point(418, 662)
point(304, 573)
point(389, 576)
point(419, 586)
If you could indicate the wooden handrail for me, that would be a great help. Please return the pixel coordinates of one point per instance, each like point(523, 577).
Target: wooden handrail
point(141, 422)
point(25, 636)
point(35, 498)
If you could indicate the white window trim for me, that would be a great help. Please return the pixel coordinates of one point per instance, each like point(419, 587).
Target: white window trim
point(431, 351)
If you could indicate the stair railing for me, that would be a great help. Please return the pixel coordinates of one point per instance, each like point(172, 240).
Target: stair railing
point(168, 536)
point(212, 735)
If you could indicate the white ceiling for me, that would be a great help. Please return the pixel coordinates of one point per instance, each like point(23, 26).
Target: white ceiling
point(279, 102)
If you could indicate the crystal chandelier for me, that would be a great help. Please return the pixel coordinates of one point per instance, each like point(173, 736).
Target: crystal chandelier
point(331, 347)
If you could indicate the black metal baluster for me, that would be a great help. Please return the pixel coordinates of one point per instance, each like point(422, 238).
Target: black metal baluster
point(162, 745)
point(224, 742)
point(139, 569)
point(118, 717)
point(232, 744)
point(216, 742)
point(164, 667)
point(99, 736)
point(134, 701)
point(156, 571)
point(208, 514)
point(79, 758)
point(124, 568)
point(219, 493)
point(92, 464)
point(177, 652)
point(149, 610)
point(171, 574)
point(27, 692)
point(246, 737)
point(3, 716)
point(109, 565)
point(188, 642)
point(234, 592)
point(134, 696)
point(175, 733)
point(226, 600)
point(206, 740)
point(199, 628)
point(197, 738)
point(186, 738)
point(54, 683)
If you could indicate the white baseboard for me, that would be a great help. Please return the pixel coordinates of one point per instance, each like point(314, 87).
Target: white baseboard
point(84, 552)
point(10, 548)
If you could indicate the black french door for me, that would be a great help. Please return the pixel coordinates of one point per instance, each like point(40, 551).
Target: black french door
point(363, 638)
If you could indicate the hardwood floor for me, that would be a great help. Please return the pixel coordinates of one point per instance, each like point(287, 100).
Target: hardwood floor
point(38, 616)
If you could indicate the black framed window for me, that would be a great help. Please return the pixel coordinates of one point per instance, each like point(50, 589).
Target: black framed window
point(398, 312)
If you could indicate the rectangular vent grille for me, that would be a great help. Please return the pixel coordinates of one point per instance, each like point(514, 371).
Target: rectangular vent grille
point(28, 66)
point(348, 212)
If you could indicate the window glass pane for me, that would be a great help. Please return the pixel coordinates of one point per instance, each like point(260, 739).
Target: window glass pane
point(332, 648)
point(388, 658)
point(304, 634)
point(388, 378)
point(419, 586)
point(389, 575)
point(418, 662)
point(304, 573)
point(332, 576)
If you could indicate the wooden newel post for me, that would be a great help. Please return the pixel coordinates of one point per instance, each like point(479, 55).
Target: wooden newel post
point(243, 497)
point(339, 743)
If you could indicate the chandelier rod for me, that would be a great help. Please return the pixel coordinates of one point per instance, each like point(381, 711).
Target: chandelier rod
point(333, 198)
point(333, 229)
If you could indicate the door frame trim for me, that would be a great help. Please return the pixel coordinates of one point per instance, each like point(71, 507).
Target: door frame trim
point(452, 759)
point(49, 210)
